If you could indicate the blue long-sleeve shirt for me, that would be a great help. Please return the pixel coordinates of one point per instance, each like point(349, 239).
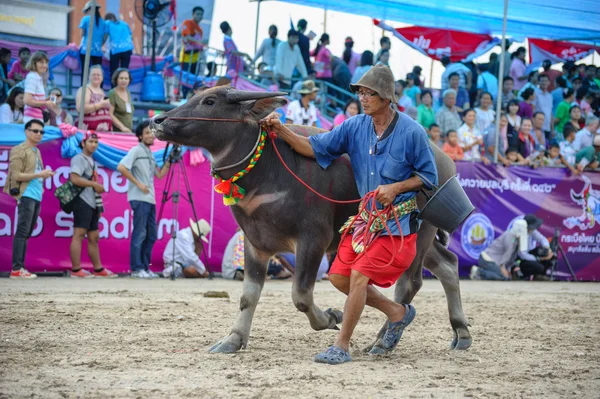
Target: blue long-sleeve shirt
point(393, 158)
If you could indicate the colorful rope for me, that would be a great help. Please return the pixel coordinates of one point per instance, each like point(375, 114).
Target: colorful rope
point(232, 192)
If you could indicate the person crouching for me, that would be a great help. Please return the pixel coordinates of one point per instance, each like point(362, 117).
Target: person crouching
point(87, 209)
point(182, 254)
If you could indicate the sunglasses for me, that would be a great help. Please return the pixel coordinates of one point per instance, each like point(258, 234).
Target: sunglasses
point(37, 131)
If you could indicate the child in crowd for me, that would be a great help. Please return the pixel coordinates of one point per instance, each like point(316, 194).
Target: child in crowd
point(513, 156)
point(567, 150)
point(452, 148)
point(553, 158)
point(435, 135)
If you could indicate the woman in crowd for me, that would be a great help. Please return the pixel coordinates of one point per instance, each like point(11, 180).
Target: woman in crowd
point(489, 141)
point(485, 113)
point(526, 106)
point(121, 107)
point(12, 110)
point(412, 90)
point(323, 59)
point(562, 114)
point(18, 71)
point(98, 36)
point(35, 95)
point(96, 108)
point(575, 117)
point(384, 57)
point(425, 112)
point(470, 138)
point(526, 143)
point(351, 109)
point(121, 42)
point(518, 69)
point(366, 63)
point(58, 114)
point(268, 48)
point(350, 57)
point(512, 113)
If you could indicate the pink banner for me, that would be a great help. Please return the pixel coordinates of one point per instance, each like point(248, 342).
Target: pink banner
point(48, 248)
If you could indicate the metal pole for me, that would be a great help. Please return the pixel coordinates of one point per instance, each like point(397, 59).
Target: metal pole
point(325, 21)
point(500, 84)
point(256, 30)
point(431, 75)
point(86, 63)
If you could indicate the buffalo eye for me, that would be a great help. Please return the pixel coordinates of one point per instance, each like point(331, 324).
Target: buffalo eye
point(209, 101)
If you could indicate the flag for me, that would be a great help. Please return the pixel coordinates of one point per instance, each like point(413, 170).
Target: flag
point(555, 51)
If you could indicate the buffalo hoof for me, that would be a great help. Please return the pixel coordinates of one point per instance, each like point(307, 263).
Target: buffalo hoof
point(337, 316)
point(461, 344)
point(230, 344)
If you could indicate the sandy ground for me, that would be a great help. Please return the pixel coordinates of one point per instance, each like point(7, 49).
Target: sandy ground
point(62, 338)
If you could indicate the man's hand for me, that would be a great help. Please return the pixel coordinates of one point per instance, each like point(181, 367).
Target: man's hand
point(549, 256)
point(485, 161)
point(99, 188)
point(46, 173)
point(145, 189)
point(386, 194)
point(273, 121)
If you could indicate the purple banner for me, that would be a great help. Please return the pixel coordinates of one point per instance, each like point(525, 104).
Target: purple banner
point(501, 195)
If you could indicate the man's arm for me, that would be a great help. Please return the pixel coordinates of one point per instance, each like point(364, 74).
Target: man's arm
point(127, 173)
point(163, 171)
point(81, 182)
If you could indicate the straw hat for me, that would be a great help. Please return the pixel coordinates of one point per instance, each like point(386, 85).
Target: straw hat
point(201, 228)
point(308, 87)
point(379, 79)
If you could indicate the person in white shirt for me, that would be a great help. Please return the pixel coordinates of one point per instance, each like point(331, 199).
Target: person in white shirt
point(12, 110)
point(566, 147)
point(464, 73)
point(404, 101)
point(543, 102)
point(485, 114)
point(287, 58)
point(585, 137)
point(303, 111)
point(268, 48)
point(184, 258)
point(470, 138)
point(532, 82)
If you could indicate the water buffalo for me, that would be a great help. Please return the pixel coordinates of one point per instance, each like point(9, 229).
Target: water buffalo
point(278, 214)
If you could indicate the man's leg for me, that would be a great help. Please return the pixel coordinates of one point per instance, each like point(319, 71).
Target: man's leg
point(138, 235)
point(93, 250)
point(151, 235)
point(28, 211)
point(532, 268)
point(75, 249)
point(125, 59)
point(355, 303)
point(490, 270)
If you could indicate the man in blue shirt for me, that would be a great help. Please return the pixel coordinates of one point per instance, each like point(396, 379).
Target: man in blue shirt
point(385, 148)
point(121, 42)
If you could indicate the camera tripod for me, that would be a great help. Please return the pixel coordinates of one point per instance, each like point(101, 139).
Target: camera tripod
point(556, 249)
point(176, 171)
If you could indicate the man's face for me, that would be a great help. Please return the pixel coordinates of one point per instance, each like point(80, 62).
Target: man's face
point(24, 56)
point(434, 133)
point(454, 80)
point(534, 78)
point(370, 101)
point(198, 15)
point(450, 100)
point(538, 121)
point(544, 82)
point(90, 145)
point(576, 85)
point(35, 133)
point(508, 86)
point(293, 40)
point(593, 127)
point(147, 137)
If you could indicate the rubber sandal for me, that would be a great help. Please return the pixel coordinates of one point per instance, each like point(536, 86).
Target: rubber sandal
point(333, 355)
point(394, 331)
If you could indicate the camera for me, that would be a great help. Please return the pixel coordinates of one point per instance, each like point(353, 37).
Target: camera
point(14, 191)
point(176, 153)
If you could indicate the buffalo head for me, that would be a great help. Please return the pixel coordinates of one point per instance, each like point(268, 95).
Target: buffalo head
point(217, 103)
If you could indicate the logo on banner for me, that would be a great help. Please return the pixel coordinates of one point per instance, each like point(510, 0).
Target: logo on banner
point(476, 235)
point(589, 200)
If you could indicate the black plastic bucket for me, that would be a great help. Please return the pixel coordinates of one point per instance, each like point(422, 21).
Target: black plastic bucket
point(449, 205)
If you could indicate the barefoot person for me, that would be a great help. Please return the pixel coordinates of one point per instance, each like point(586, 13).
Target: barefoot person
point(385, 147)
point(87, 209)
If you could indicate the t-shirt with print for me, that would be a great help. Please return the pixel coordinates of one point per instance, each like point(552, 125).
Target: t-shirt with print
point(120, 37)
point(34, 86)
point(142, 165)
point(85, 166)
point(98, 33)
point(299, 115)
point(35, 188)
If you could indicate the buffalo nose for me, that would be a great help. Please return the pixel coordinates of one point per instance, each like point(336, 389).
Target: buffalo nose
point(158, 119)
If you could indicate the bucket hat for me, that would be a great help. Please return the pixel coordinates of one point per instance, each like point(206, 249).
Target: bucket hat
point(201, 228)
point(308, 87)
point(379, 79)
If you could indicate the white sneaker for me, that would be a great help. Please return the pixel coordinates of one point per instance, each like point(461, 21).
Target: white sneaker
point(151, 274)
point(474, 275)
point(140, 274)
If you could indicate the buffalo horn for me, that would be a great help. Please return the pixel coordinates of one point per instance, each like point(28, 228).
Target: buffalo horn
point(237, 96)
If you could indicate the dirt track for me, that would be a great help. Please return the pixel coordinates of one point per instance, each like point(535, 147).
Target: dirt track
point(62, 338)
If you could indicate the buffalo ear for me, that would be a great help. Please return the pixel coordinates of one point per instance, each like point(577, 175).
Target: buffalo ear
point(260, 109)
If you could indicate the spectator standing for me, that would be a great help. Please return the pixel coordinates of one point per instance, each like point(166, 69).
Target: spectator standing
point(538, 133)
point(487, 82)
point(139, 167)
point(26, 174)
point(584, 99)
point(512, 113)
point(507, 91)
point(96, 108)
point(366, 63)
point(532, 82)
point(518, 69)
point(447, 116)
point(87, 209)
point(121, 42)
point(489, 141)
point(323, 59)
point(589, 157)
point(35, 94)
point(525, 106)
point(462, 95)
point(184, 259)
point(268, 48)
point(435, 135)
point(385, 45)
point(507, 59)
point(384, 58)
point(18, 71)
point(99, 34)
point(452, 147)
point(425, 113)
point(558, 93)
point(5, 56)
point(526, 143)
point(470, 138)
point(566, 146)
point(464, 73)
point(588, 82)
point(235, 58)
point(585, 137)
point(58, 114)
point(350, 57)
point(191, 36)
point(304, 45)
point(575, 115)
point(485, 114)
point(12, 110)
point(552, 74)
point(121, 107)
point(289, 57)
point(351, 109)
point(543, 102)
point(303, 111)
point(419, 81)
point(404, 101)
point(412, 89)
point(493, 65)
point(341, 73)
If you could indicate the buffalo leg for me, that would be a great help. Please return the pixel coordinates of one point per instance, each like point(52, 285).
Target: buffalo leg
point(255, 271)
point(308, 258)
point(444, 265)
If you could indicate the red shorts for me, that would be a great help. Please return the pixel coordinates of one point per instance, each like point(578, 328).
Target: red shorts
point(379, 253)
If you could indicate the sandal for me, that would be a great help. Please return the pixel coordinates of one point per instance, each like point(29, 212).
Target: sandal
point(333, 355)
point(394, 332)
